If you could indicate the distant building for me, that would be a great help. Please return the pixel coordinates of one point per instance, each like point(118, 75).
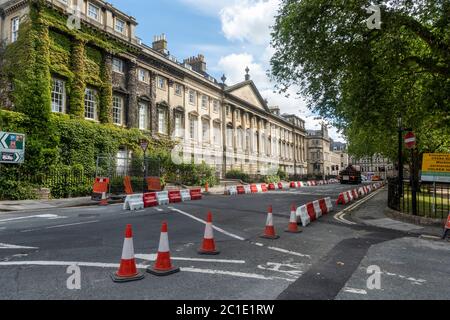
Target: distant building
point(376, 165)
point(325, 156)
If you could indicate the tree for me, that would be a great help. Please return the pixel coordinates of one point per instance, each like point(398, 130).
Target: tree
point(361, 79)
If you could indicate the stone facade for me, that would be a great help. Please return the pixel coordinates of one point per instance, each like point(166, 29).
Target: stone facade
point(325, 157)
point(227, 126)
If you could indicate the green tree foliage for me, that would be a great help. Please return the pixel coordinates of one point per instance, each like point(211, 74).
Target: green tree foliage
point(361, 79)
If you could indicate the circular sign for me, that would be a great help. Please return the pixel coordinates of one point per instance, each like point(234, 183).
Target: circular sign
point(410, 140)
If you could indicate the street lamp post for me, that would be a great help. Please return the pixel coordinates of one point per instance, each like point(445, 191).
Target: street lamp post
point(400, 157)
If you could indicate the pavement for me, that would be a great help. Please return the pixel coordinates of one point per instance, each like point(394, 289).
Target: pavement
point(30, 205)
point(328, 260)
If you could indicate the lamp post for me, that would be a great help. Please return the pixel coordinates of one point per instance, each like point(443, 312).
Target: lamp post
point(400, 156)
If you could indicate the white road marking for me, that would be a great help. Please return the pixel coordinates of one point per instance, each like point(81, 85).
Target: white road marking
point(204, 222)
point(152, 257)
point(44, 216)
point(290, 252)
point(12, 246)
point(159, 209)
point(353, 290)
point(293, 270)
point(139, 266)
point(234, 274)
point(71, 224)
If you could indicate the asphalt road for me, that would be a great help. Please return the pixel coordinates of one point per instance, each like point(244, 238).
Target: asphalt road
point(328, 260)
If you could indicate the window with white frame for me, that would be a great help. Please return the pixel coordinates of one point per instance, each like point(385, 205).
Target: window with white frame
point(58, 95)
point(178, 125)
point(204, 102)
point(161, 83)
point(93, 11)
point(117, 110)
point(143, 75)
point(193, 125)
point(230, 137)
point(217, 134)
point(90, 104)
point(238, 115)
point(143, 111)
point(15, 23)
point(117, 65)
point(205, 131)
point(240, 137)
point(178, 89)
point(262, 146)
point(162, 121)
point(192, 97)
point(216, 106)
point(228, 109)
point(119, 26)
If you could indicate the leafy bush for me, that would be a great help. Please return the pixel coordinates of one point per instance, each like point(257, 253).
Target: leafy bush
point(16, 190)
point(237, 174)
point(272, 179)
point(283, 175)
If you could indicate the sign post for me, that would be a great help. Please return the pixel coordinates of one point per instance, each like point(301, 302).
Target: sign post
point(410, 141)
point(144, 146)
point(12, 148)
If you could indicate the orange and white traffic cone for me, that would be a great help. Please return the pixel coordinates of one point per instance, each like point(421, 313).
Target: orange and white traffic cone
point(163, 265)
point(104, 200)
point(293, 225)
point(208, 245)
point(127, 270)
point(270, 229)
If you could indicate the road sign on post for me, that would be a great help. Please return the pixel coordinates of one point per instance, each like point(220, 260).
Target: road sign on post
point(410, 140)
point(144, 145)
point(12, 147)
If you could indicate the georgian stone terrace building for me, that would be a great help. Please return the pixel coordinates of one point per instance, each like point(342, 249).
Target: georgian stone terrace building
point(228, 126)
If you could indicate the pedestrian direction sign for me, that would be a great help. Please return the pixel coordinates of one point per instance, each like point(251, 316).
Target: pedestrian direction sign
point(12, 147)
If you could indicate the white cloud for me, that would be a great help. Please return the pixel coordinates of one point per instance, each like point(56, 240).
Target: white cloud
point(234, 66)
point(249, 21)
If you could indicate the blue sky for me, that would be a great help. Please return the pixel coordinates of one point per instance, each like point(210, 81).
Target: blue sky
point(231, 34)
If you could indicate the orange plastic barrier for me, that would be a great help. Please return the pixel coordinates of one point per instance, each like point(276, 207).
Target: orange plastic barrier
point(127, 185)
point(154, 184)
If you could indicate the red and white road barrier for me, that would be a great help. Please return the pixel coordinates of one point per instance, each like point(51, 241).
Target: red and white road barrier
point(313, 211)
point(352, 195)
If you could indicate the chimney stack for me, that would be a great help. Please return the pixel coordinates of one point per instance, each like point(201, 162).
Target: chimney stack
point(160, 44)
point(197, 63)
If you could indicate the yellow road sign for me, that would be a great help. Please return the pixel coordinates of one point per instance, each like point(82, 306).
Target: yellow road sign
point(436, 167)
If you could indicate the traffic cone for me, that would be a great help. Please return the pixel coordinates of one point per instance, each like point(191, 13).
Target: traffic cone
point(104, 200)
point(163, 265)
point(270, 230)
point(209, 245)
point(293, 225)
point(127, 270)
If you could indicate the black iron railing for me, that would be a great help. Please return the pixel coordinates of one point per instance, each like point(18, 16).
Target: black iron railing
point(433, 200)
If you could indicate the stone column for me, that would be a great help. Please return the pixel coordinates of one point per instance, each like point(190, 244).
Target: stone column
point(133, 109)
point(106, 93)
point(78, 86)
point(153, 119)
